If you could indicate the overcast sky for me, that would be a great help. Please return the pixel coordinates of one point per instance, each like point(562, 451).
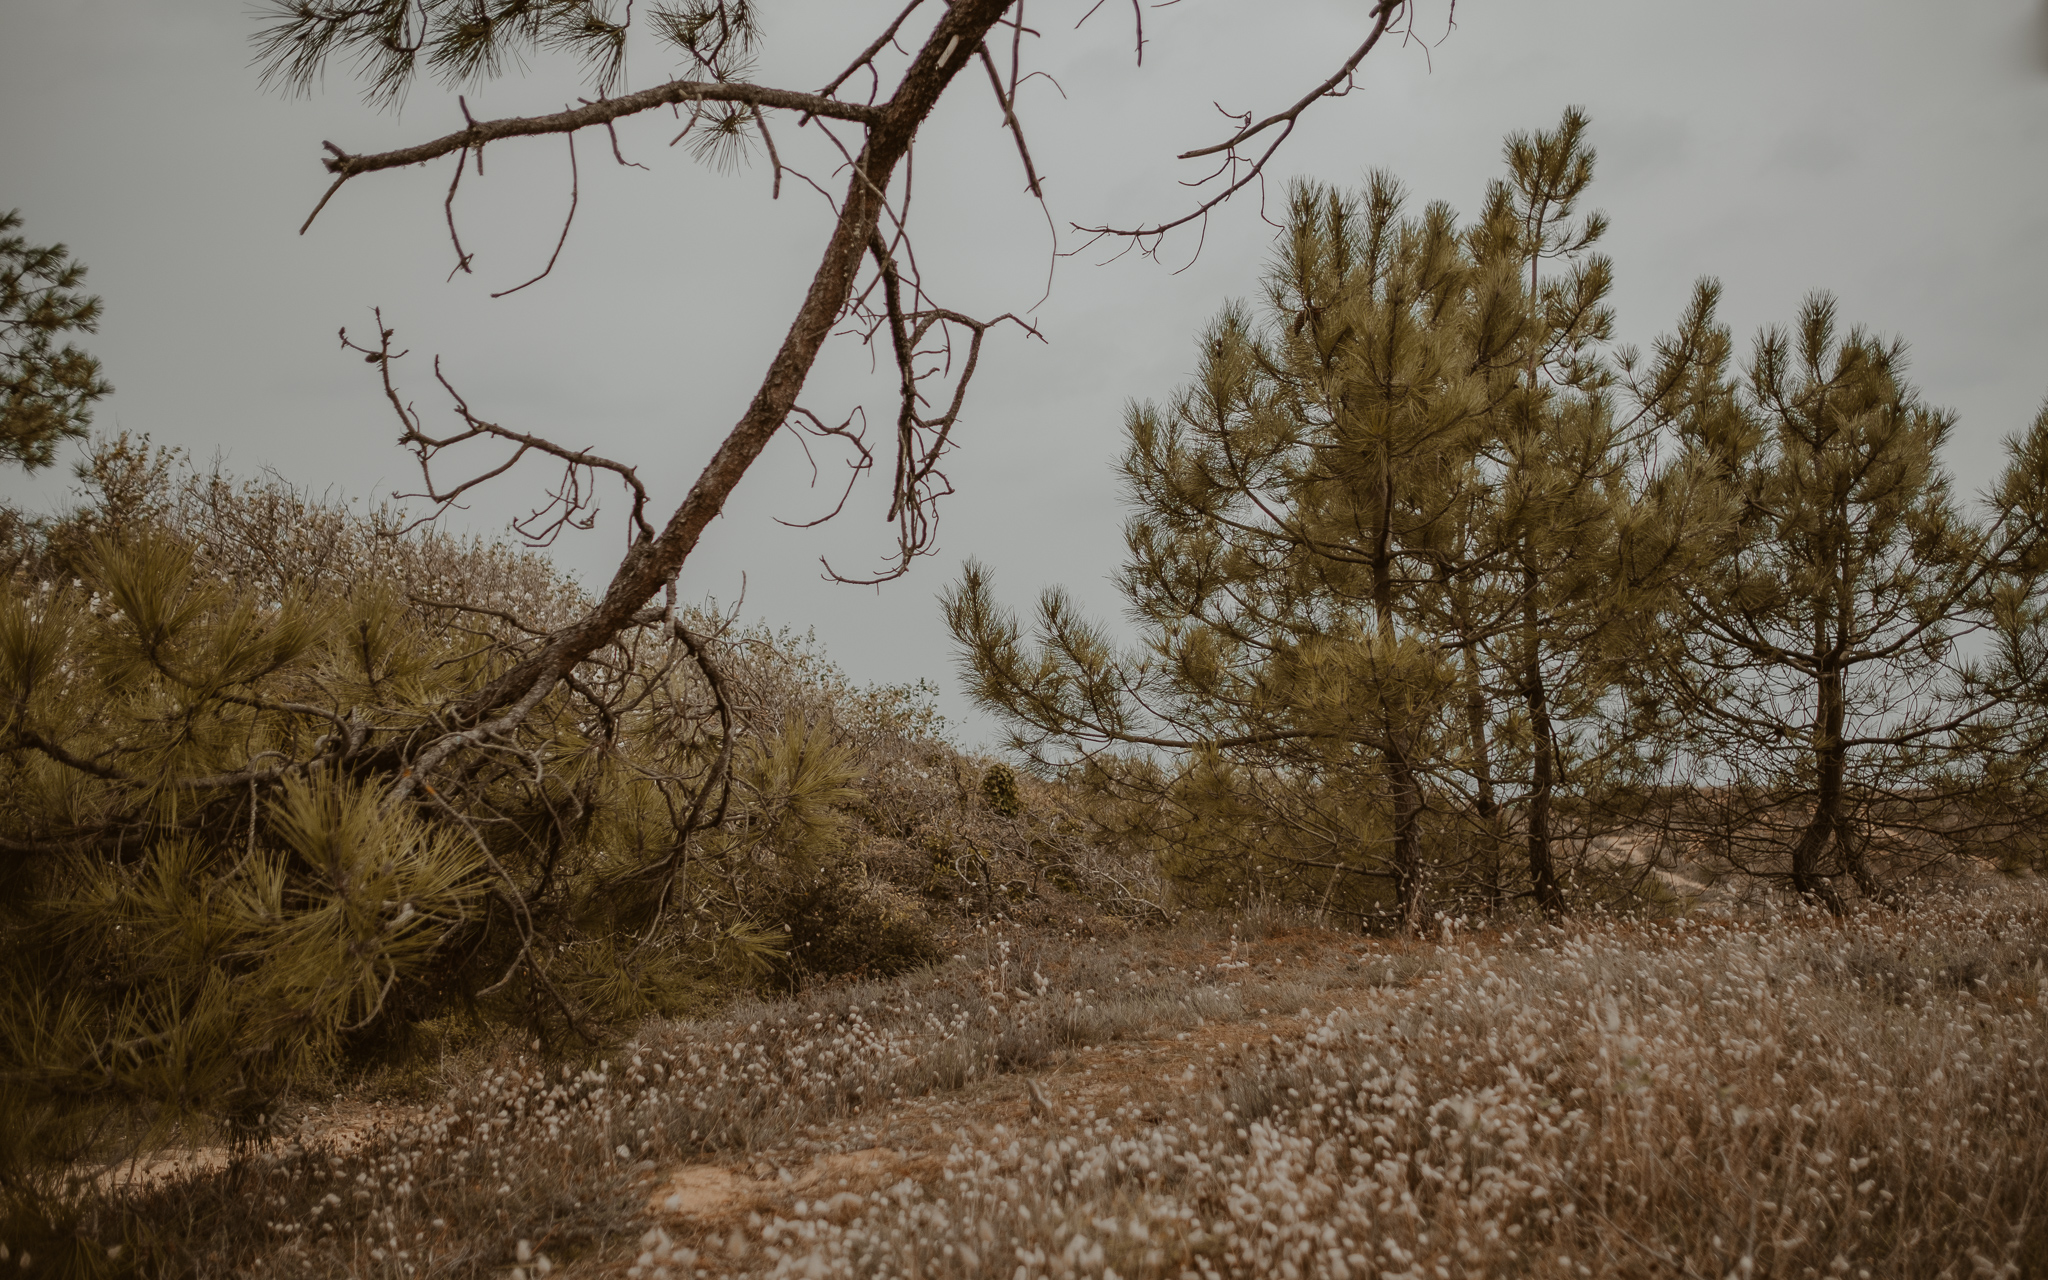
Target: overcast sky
point(1892, 151)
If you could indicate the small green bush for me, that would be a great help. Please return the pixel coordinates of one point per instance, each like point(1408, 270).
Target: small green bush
point(839, 924)
point(999, 789)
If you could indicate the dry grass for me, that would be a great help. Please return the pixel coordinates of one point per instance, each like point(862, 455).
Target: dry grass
point(1699, 1101)
point(1779, 1097)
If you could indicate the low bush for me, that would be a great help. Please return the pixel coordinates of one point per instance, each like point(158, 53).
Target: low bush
point(838, 924)
point(213, 893)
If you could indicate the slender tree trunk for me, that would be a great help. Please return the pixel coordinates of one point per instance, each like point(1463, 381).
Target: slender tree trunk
point(1401, 770)
point(1485, 803)
point(1849, 848)
point(1408, 805)
point(1830, 759)
point(1848, 845)
point(1543, 772)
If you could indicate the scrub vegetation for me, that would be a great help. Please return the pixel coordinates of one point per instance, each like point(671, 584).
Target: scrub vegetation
point(190, 933)
point(1707, 1097)
point(1564, 808)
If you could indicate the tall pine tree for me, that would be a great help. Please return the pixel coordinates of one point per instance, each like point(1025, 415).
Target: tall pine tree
point(1847, 630)
point(1375, 539)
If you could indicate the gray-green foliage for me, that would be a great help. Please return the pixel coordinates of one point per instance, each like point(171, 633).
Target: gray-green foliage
point(46, 390)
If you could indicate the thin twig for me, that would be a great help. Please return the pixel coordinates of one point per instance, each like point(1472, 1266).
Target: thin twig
point(995, 80)
point(575, 192)
point(448, 205)
point(1284, 121)
point(774, 160)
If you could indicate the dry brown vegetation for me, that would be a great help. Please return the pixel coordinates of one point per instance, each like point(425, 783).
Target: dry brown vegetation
point(1775, 1096)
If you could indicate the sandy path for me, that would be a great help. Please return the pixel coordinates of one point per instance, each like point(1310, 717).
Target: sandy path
point(699, 1208)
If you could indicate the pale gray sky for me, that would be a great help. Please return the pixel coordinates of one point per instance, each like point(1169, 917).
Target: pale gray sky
point(1893, 151)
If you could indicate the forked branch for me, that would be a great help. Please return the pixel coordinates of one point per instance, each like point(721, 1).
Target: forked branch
point(604, 111)
point(921, 440)
point(569, 506)
point(1242, 172)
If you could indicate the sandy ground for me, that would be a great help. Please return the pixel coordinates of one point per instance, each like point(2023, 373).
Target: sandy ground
point(345, 1123)
point(697, 1207)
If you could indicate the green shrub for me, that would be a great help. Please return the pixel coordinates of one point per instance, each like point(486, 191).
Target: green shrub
point(999, 789)
point(211, 892)
point(838, 923)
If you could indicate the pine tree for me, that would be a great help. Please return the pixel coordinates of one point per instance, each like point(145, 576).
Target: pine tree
point(184, 932)
point(1408, 537)
point(46, 391)
point(1335, 528)
point(1556, 456)
point(189, 926)
point(1819, 643)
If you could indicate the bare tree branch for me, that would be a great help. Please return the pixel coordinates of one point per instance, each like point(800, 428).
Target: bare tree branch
point(870, 219)
point(1008, 103)
point(651, 562)
point(575, 192)
point(867, 56)
point(1382, 15)
point(604, 111)
point(567, 496)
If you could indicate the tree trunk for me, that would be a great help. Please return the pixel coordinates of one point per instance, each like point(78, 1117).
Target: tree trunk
point(1543, 772)
point(1849, 848)
point(1830, 760)
point(1408, 806)
point(1484, 803)
point(651, 563)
